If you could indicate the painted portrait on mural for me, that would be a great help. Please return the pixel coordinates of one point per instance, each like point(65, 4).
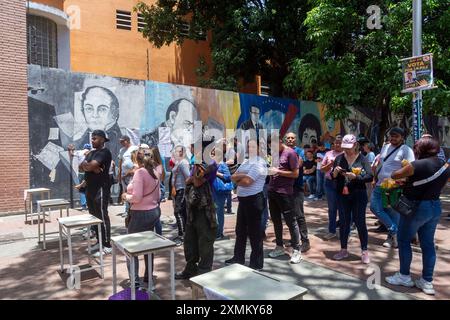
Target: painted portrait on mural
point(181, 115)
point(309, 129)
point(444, 131)
point(356, 123)
point(254, 121)
point(100, 109)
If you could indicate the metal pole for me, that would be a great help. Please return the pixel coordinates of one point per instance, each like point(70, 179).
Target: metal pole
point(417, 51)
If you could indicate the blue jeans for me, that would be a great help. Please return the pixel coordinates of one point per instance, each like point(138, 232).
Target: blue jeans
point(219, 199)
point(162, 189)
point(265, 213)
point(354, 208)
point(333, 205)
point(158, 227)
point(310, 180)
point(320, 184)
point(390, 218)
point(83, 201)
point(423, 222)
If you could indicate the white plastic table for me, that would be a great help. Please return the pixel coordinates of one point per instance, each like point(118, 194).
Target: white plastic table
point(48, 205)
point(141, 243)
point(238, 282)
point(80, 221)
point(28, 194)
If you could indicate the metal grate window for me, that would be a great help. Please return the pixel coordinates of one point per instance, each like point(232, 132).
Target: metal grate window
point(185, 28)
point(141, 22)
point(42, 41)
point(123, 20)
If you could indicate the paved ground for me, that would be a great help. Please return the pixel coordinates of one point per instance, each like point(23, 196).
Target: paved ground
point(27, 272)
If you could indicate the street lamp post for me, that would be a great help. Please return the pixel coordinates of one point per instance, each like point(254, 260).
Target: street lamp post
point(417, 51)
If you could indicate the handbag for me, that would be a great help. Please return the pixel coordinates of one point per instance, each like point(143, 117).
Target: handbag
point(407, 207)
point(404, 206)
point(222, 186)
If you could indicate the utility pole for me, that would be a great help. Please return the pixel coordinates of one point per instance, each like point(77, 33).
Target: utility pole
point(417, 51)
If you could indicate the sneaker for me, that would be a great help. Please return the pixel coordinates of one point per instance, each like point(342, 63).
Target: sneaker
point(310, 197)
point(329, 236)
point(427, 287)
point(365, 257)
point(341, 255)
point(296, 256)
point(106, 251)
point(305, 246)
point(277, 252)
point(391, 241)
point(399, 279)
point(95, 247)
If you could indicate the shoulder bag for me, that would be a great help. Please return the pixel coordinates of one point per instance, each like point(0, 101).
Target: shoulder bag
point(407, 207)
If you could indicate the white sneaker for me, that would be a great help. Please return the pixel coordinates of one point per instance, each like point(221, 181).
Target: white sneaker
point(95, 247)
point(427, 287)
point(296, 256)
point(311, 197)
point(106, 251)
point(399, 279)
point(277, 252)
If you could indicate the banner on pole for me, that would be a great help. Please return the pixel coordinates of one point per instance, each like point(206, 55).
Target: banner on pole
point(417, 73)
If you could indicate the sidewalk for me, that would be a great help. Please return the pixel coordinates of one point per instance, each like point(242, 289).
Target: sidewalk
point(27, 272)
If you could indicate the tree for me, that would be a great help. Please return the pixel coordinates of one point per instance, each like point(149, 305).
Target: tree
point(248, 38)
point(351, 65)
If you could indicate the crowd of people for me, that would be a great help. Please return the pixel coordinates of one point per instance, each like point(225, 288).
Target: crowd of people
point(346, 172)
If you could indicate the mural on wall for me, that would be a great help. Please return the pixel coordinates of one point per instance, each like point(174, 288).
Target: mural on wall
point(64, 108)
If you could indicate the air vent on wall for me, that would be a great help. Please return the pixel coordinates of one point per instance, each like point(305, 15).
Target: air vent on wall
point(123, 20)
point(141, 22)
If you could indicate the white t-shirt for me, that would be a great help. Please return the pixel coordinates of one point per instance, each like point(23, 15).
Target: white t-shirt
point(256, 169)
point(125, 156)
point(394, 162)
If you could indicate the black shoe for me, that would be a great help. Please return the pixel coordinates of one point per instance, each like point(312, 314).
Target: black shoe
point(305, 246)
point(182, 276)
point(230, 261)
point(381, 229)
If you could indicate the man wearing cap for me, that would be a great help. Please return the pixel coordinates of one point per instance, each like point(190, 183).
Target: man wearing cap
point(391, 157)
point(126, 165)
point(98, 184)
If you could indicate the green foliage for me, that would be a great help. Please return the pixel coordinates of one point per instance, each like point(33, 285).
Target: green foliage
point(351, 65)
point(316, 49)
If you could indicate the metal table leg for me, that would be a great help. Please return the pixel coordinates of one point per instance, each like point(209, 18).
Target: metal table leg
point(45, 248)
point(101, 249)
point(172, 272)
point(150, 272)
point(133, 286)
point(39, 222)
point(61, 255)
point(69, 242)
point(114, 269)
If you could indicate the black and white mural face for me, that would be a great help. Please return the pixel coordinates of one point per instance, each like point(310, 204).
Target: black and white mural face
point(64, 108)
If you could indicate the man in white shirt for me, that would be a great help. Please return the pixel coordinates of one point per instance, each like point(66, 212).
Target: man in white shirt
point(391, 157)
point(125, 164)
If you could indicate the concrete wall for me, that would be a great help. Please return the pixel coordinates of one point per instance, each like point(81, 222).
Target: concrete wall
point(14, 152)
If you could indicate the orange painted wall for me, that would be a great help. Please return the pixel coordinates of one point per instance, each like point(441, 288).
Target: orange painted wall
point(98, 47)
point(53, 3)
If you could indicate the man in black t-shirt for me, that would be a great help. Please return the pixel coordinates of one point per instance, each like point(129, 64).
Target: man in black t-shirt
point(96, 168)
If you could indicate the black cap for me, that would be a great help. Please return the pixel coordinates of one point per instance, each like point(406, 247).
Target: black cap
point(100, 133)
point(397, 130)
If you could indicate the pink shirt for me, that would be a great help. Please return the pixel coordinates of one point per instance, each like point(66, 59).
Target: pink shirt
point(329, 157)
point(143, 191)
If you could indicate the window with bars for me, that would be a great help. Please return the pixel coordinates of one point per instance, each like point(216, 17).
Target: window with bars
point(185, 28)
point(42, 41)
point(141, 22)
point(123, 20)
